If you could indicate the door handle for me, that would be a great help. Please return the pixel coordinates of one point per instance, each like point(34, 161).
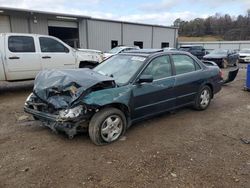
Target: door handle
point(46, 57)
point(14, 57)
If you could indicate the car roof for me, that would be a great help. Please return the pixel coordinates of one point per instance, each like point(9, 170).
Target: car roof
point(145, 51)
point(190, 46)
point(152, 52)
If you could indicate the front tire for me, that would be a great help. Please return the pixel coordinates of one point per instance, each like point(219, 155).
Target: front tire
point(107, 125)
point(203, 98)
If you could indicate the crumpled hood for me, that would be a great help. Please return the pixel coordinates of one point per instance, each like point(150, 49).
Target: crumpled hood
point(61, 88)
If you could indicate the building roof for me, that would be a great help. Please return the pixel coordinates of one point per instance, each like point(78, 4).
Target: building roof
point(76, 16)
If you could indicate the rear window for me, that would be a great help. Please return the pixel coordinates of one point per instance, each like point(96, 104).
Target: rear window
point(21, 44)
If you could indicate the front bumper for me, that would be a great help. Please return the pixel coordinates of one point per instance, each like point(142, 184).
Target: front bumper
point(42, 115)
point(70, 126)
point(244, 60)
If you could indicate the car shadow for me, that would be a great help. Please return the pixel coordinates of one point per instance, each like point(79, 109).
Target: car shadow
point(15, 87)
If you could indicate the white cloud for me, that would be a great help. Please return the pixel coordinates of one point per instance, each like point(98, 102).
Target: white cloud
point(160, 6)
point(154, 13)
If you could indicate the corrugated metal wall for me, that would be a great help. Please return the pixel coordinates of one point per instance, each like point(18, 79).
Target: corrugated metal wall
point(83, 33)
point(132, 32)
point(19, 24)
point(100, 34)
point(97, 33)
point(4, 24)
point(39, 27)
point(163, 35)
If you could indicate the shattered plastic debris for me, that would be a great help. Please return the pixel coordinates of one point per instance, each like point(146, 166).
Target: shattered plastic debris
point(245, 141)
point(22, 118)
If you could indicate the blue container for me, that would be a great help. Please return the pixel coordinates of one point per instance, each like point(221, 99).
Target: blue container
point(248, 77)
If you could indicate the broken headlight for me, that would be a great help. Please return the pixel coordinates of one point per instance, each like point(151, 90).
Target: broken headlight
point(28, 99)
point(71, 113)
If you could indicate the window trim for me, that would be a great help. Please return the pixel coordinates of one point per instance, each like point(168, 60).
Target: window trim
point(116, 41)
point(35, 50)
point(167, 46)
point(66, 52)
point(142, 44)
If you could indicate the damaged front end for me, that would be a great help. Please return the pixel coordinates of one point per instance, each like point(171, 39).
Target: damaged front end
point(57, 96)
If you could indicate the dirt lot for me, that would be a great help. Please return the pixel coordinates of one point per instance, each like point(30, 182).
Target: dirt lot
point(184, 149)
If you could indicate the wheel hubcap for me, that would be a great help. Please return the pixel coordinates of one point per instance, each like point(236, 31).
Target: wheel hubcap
point(111, 128)
point(205, 98)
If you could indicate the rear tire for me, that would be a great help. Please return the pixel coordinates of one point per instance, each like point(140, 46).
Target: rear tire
point(107, 125)
point(203, 98)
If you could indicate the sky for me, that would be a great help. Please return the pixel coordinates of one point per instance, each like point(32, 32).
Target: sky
point(162, 12)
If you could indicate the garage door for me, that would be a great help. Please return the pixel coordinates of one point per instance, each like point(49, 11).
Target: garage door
point(55, 23)
point(4, 24)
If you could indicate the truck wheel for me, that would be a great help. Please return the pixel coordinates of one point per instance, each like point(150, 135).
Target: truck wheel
point(107, 125)
point(203, 98)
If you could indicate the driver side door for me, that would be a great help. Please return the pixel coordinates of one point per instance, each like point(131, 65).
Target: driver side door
point(157, 96)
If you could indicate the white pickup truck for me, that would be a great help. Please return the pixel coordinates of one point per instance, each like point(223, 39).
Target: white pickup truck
point(22, 56)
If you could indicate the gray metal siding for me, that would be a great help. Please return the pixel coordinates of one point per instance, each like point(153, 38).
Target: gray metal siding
point(4, 24)
point(163, 35)
point(19, 24)
point(41, 27)
point(132, 32)
point(83, 33)
point(100, 34)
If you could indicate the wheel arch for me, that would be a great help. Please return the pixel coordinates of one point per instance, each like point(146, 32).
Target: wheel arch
point(211, 87)
point(124, 108)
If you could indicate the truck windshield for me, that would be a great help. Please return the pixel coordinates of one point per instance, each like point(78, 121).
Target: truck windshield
point(121, 67)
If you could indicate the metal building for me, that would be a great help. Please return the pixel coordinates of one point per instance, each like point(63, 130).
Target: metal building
point(86, 32)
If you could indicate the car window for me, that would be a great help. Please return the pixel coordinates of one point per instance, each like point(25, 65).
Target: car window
point(159, 67)
point(183, 64)
point(52, 45)
point(21, 44)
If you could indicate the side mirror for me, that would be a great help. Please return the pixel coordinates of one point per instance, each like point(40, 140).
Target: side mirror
point(145, 79)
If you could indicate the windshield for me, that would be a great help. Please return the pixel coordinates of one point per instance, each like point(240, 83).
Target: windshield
point(245, 51)
point(115, 50)
point(120, 67)
point(219, 52)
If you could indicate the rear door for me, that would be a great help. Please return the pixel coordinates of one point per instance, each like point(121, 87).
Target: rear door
point(158, 96)
point(22, 58)
point(188, 78)
point(56, 55)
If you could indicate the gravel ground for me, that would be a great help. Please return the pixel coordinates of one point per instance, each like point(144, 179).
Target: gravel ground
point(182, 149)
